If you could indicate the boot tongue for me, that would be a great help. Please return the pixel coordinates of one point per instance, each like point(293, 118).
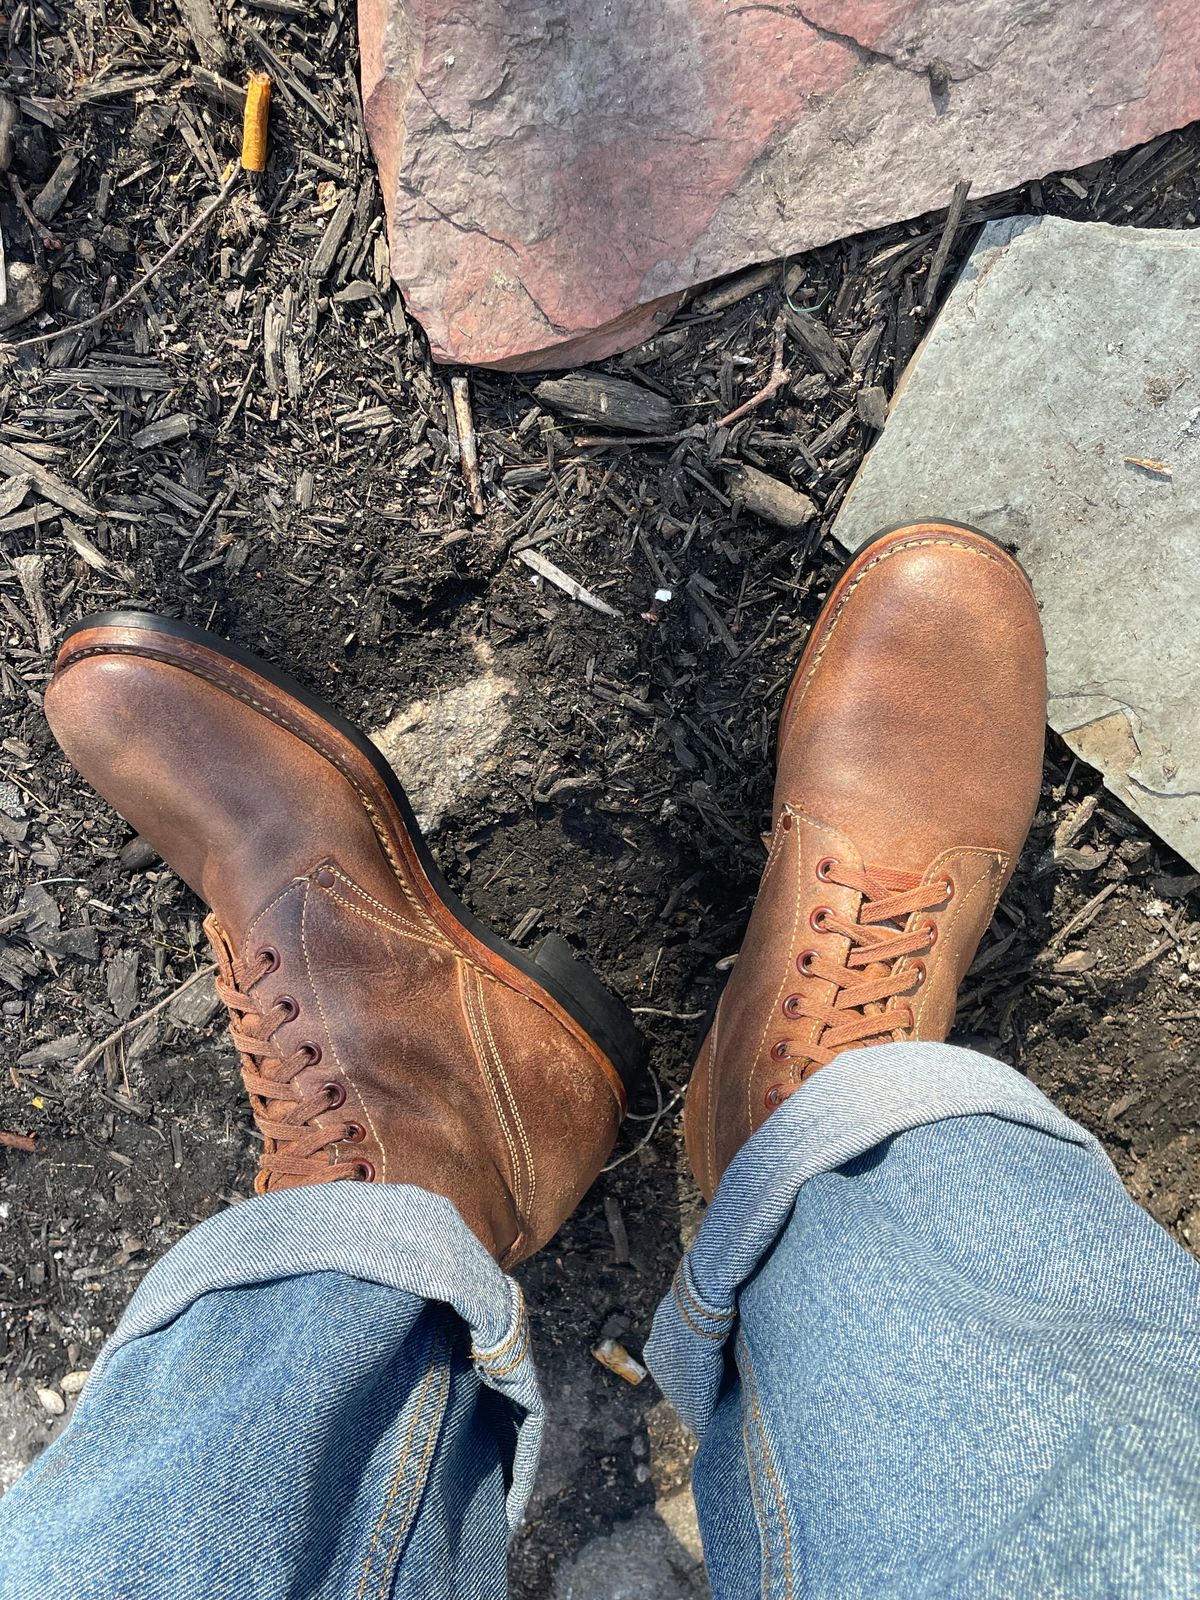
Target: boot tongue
point(221, 948)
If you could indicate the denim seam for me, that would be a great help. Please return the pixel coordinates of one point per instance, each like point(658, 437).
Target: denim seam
point(760, 1439)
point(518, 1328)
point(699, 1306)
point(503, 1372)
point(420, 1478)
point(703, 1333)
point(399, 1473)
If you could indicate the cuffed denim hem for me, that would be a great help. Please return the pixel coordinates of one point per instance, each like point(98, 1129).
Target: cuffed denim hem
point(393, 1234)
point(860, 1099)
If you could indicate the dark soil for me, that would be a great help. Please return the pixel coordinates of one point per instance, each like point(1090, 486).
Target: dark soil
point(312, 507)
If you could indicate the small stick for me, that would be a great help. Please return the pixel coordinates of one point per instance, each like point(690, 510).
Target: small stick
point(953, 217)
point(98, 1050)
point(616, 1226)
point(779, 377)
point(19, 1141)
point(545, 568)
point(467, 451)
point(151, 272)
point(50, 241)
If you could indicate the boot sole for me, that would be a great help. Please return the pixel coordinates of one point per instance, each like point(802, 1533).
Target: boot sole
point(553, 968)
point(849, 571)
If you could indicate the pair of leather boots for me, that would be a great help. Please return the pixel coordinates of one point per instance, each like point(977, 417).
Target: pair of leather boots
point(386, 1036)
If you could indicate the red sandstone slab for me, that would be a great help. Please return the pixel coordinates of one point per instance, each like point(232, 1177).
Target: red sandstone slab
point(556, 176)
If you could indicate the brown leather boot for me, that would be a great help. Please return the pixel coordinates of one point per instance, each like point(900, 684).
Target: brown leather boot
point(910, 760)
point(385, 1034)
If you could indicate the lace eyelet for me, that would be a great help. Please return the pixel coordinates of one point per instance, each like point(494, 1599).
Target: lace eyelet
point(779, 1052)
point(948, 885)
point(929, 932)
point(335, 1094)
point(353, 1133)
point(312, 1052)
point(270, 956)
point(285, 1003)
point(785, 822)
point(804, 962)
point(824, 867)
point(918, 968)
point(818, 918)
point(364, 1171)
point(791, 1007)
point(775, 1096)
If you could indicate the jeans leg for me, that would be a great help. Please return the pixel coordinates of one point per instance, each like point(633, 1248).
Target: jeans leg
point(932, 1348)
point(325, 1393)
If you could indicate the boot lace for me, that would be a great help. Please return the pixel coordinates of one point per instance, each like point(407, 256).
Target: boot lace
point(865, 1007)
point(284, 1113)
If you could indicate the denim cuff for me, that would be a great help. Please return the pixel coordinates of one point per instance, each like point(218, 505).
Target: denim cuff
point(847, 1108)
point(394, 1234)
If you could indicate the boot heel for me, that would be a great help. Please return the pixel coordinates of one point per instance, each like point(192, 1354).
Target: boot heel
point(606, 1017)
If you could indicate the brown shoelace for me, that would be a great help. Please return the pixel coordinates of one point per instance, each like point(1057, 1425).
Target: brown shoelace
point(283, 1113)
point(865, 1008)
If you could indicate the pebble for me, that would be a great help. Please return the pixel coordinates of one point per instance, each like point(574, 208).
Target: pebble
point(74, 1381)
point(52, 1401)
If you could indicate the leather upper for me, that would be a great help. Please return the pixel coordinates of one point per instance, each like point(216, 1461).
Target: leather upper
point(911, 741)
point(450, 1069)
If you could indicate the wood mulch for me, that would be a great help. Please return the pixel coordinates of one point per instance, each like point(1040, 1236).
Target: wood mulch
point(259, 441)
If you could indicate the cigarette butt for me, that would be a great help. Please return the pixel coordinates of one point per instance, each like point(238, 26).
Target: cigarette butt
point(617, 1359)
point(254, 122)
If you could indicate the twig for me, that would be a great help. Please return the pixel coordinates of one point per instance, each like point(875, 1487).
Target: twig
point(545, 568)
point(19, 1141)
point(675, 1016)
point(50, 241)
point(468, 454)
point(942, 254)
point(151, 272)
point(98, 1050)
point(779, 377)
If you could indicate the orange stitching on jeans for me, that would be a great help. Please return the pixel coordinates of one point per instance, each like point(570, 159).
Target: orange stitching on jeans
point(704, 1333)
point(414, 1496)
point(503, 1372)
point(502, 1349)
point(747, 1371)
point(700, 1307)
point(387, 1505)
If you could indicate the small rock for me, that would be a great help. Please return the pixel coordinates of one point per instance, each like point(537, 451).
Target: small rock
point(440, 747)
point(52, 1401)
point(136, 855)
point(73, 1382)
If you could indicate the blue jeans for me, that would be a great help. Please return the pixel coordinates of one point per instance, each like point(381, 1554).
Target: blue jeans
point(929, 1346)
